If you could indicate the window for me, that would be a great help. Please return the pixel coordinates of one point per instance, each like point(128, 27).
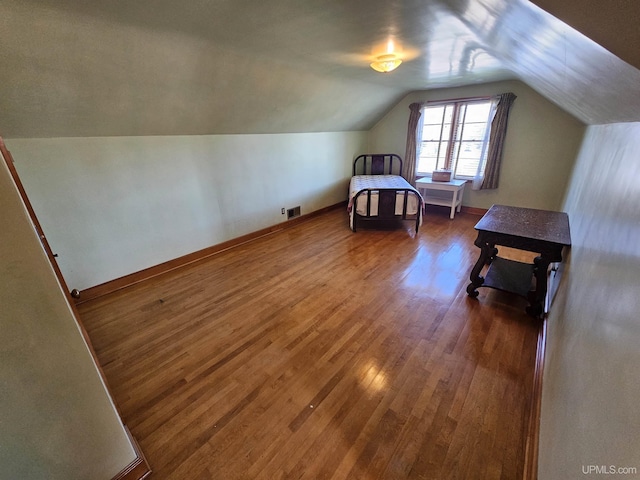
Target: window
point(454, 137)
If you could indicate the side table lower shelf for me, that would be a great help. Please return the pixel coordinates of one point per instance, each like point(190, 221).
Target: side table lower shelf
point(514, 277)
point(510, 276)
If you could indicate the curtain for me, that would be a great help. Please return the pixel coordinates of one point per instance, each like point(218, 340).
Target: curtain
point(476, 184)
point(496, 141)
point(409, 165)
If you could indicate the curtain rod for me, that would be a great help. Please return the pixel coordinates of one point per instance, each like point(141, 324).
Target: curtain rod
point(462, 99)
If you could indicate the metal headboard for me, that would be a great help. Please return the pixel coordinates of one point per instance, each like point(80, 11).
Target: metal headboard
point(377, 164)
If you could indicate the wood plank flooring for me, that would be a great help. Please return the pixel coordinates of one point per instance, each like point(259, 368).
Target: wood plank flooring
point(319, 353)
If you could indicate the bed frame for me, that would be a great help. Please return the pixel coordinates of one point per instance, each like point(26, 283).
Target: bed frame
point(377, 164)
point(383, 164)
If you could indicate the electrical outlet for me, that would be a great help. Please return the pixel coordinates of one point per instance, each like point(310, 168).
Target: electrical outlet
point(282, 211)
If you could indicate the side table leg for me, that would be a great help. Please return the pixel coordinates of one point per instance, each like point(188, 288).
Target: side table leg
point(537, 296)
point(487, 253)
point(453, 204)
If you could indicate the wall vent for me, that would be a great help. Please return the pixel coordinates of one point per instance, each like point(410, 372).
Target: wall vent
point(293, 212)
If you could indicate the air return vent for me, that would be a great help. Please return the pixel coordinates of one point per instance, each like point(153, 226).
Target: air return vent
point(293, 212)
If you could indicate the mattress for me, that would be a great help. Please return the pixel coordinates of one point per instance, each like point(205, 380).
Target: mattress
point(375, 182)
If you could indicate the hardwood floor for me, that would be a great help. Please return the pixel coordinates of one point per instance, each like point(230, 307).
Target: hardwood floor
point(318, 353)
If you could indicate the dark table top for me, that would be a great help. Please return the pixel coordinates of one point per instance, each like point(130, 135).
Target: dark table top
point(542, 225)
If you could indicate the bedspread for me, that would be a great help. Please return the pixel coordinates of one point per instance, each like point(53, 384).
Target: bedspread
point(374, 182)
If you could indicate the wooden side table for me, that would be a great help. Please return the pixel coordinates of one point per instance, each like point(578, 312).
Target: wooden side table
point(539, 231)
point(456, 187)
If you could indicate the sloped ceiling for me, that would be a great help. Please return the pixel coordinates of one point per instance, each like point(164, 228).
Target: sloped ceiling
point(614, 24)
point(160, 67)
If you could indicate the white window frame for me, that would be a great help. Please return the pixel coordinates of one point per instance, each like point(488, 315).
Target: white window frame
point(451, 157)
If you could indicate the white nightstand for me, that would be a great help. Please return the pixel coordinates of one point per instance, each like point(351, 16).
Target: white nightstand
point(456, 187)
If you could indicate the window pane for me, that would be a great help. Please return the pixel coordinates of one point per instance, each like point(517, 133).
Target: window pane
point(437, 131)
point(435, 137)
point(467, 168)
point(426, 164)
point(454, 155)
point(478, 112)
point(469, 158)
point(442, 158)
point(431, 132)
point(446, 131)
point(471, 149)
point(474, 131)
point(470, 138)
point(429, 149)
point(434, 115)
point(430, 158)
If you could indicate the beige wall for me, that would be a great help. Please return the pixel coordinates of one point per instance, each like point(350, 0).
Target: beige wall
point(112, 206)
point(57, 420)
point(590, 407)
point(540, 149)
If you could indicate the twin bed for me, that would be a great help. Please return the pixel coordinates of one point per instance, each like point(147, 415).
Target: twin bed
point(378, 192)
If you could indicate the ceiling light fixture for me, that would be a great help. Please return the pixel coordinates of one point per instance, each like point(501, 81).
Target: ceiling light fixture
point(386, 63)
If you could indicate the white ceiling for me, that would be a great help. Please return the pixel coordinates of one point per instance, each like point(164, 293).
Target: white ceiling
point(614, 24)
point(160, 67)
